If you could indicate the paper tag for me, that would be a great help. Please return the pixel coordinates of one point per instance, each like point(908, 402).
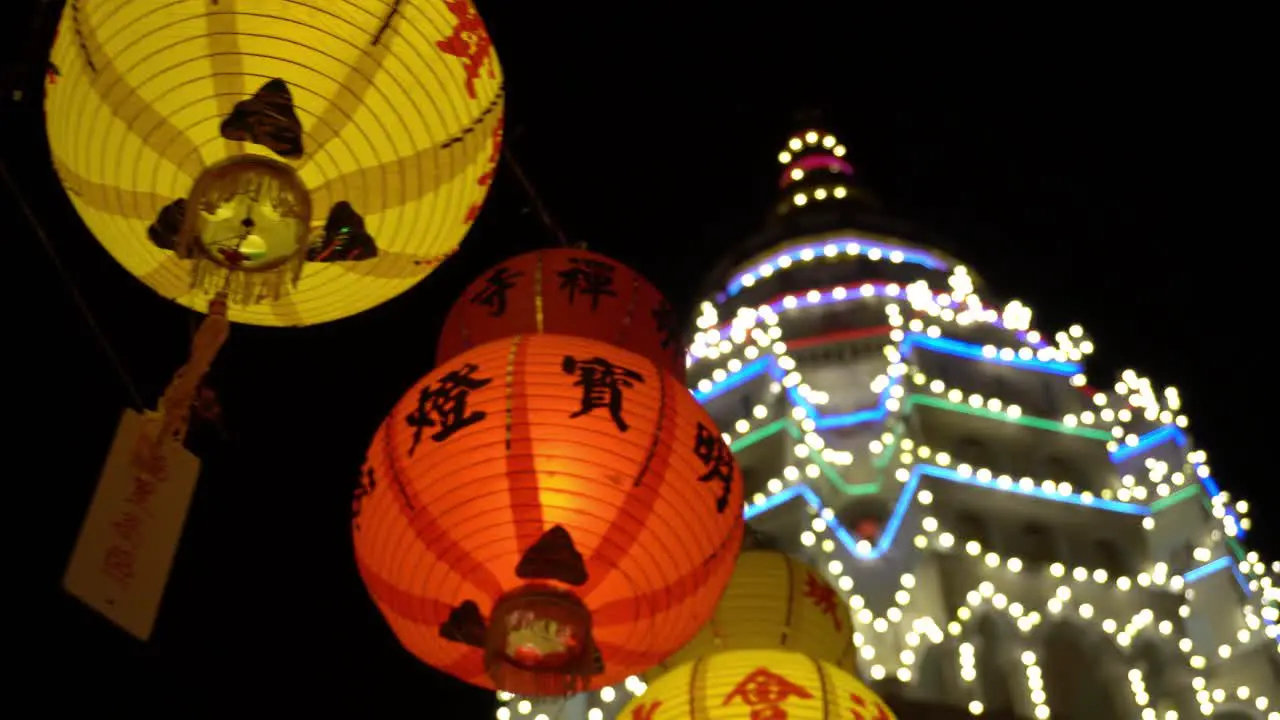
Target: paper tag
point(121, 562)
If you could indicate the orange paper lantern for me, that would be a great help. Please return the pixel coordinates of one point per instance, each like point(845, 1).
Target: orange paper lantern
point(568, 292)
point(547, 514)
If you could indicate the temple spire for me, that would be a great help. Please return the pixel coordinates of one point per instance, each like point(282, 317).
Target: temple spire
point(814, 170)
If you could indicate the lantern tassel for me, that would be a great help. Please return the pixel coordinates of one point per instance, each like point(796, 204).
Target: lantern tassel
point(244, 287)
point(169, 422)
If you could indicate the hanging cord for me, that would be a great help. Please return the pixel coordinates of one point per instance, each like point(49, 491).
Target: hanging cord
point(533, 197)
point(75, 292)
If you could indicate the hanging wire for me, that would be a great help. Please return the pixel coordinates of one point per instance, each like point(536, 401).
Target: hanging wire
point(75, 292)
point(533, 197)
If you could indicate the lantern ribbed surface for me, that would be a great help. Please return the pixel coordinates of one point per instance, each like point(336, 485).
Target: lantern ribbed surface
point(539, 467)
point(755, 685)
point(773, 601)
point(571, 292)
point(380, 123)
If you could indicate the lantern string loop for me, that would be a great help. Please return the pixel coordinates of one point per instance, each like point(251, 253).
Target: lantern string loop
point(172, 418)
point(85, 312)
point(533, 197)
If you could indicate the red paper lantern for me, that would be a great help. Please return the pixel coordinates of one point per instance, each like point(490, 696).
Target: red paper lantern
point(567, 292)
point(547, 514)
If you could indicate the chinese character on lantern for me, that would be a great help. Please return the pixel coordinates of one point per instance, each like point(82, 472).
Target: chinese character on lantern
point(602, 383)
point(645, 712)
point(863, 710)
point(486, 179)
point(469, 41)
point(765, 692)
point(718, 460)
point(823, 596)
point(494, 293)
point(590, 277)
point(443, 405)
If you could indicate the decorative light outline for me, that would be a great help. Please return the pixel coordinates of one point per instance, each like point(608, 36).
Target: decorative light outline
point(944, 345)
point(769, 364)
point(1123, 453)
point(851, 245)
point(817, 297)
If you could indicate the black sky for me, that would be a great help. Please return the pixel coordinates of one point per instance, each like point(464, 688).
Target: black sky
point(1103, 175)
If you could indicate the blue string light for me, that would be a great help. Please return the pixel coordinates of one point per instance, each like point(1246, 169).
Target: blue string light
point(956, 348)
point(896, 518)
point(769, 365)
point(833, 248)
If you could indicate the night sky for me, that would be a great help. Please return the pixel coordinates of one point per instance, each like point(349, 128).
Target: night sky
point(1100, 175)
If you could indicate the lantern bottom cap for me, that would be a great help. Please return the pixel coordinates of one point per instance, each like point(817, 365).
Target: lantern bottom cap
point(245, 228)
point(539, 642)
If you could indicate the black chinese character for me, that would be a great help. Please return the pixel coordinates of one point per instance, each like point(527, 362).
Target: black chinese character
point(718, 459)
point(589, 277)
point(443, 405)
point(602, 384)
point(664, 318)
point(364, 487)
point(494, 293)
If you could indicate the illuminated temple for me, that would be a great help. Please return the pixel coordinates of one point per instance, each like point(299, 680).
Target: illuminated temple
point(1013, 538)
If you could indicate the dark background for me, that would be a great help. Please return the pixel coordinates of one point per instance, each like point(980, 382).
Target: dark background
point(1106, 171)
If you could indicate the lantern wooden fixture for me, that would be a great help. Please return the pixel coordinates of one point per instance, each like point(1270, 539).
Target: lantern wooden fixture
point(754, 685)
point(546, 514)
point(311, 160)
point(773, 601)
point(568, 292)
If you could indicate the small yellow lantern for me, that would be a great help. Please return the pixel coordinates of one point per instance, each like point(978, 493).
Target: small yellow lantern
point(757, 685)
point(773, 602)
point(308, 159)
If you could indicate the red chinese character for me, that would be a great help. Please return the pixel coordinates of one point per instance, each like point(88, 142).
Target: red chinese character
point(764, 692)
point(469, 41)
point(487, 178)
point(143, 489)
point(860, 711)
point(118, 565)
point(823, 596)
point(51, 71)
point(128, 528)
point(645, 712)
point(429, 264)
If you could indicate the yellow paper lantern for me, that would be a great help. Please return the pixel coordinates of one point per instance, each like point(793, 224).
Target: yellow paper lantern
point(774, 602)
point(312, 159)
point(757, 685)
